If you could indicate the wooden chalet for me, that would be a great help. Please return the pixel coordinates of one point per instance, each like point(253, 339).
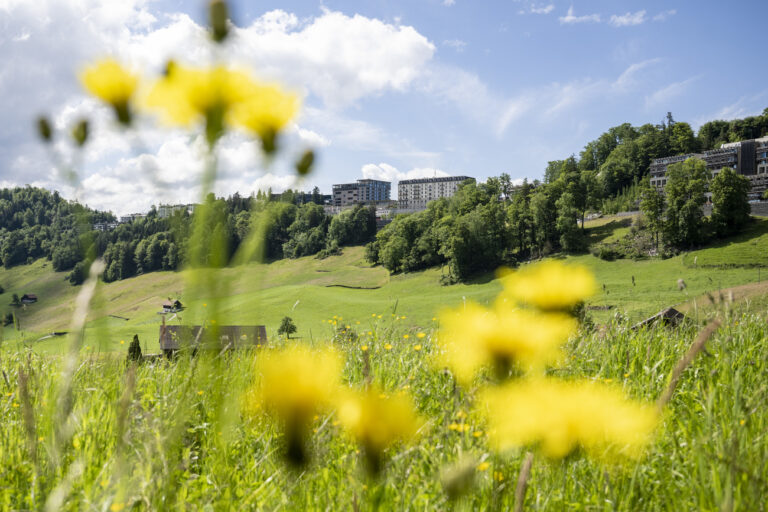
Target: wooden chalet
point(223, 337)
point(28, 298)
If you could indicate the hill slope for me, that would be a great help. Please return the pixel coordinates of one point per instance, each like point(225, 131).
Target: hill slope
point(312, 291)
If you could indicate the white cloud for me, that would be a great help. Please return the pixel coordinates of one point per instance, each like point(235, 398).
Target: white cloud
point(386, 172)
point(337, 57)
point(628, 77)
point(628, 19)
point(546, 9)
point(663, 96)
point(571, 18)
point(456, 44)
point(449, 2)
point(663, 16)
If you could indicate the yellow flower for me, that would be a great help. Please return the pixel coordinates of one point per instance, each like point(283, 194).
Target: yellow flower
point(267, 110)
point(405, 336)
point(548, 285)
point(122, 342)
point(113, 84)
point(373, 315)
point(417, 347)
point(364, 348)
point(498, 476)
point(379, 317)
point(370, 333)
point(297, 382)
point(387, 347)
point(474, 336)
point(560, 416)
point(116, 507)
point(483, 466)
point(200, 392)
point(434, 318)
point(377, 421)
point(420, 335)
point(477, 433)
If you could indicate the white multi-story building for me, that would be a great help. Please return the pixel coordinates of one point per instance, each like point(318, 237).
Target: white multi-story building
point(415, 194)
point(364, 191)
point(167, 210)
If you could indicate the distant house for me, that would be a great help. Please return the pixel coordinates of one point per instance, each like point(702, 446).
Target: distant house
point(172, 307)
point(28, 298)
point(176, 337)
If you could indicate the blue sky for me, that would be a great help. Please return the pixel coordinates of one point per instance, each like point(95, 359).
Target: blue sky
point(392, 89)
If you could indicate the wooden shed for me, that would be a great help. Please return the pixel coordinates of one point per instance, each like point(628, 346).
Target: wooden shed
point(669, 316)
point(175, 337)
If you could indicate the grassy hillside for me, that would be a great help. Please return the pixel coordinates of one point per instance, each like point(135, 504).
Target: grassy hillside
point(312, 291)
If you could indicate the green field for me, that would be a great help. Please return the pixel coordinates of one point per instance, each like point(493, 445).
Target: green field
point(187, 435)
point(312, 291)
point(747, 249)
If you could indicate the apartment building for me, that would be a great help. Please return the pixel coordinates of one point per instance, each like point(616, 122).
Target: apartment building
point(747, 157)
point(415, 194)
point(363, 191)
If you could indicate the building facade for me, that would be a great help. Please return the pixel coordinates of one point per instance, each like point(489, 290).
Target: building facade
point(167, 210)
point(415, 194)
point(361, 192)
point(747, 157)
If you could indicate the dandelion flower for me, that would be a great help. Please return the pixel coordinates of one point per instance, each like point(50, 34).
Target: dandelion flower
point(387, 347)
point(109, 81)
point(560, 417)
point(421, 335)
point(405, 336)
point(483, 466)
point(295, 384)
point(474, 336)
point(377, 421)
point(417, 348)
point(550, 285)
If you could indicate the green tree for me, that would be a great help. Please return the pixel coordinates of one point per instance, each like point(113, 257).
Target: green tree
point(567, 222)
point(287, 327)
point(15, 301)
point(682, 139)
point(685, 189)
point(652, 206)
point(730, 205)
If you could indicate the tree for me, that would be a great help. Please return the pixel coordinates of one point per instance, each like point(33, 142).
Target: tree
point(134, 349)
point(15, 301)
point(287, 327)
point(566, 222)
point(652, 206)
point(730, 206)
point(682, 139)
point(686, 185)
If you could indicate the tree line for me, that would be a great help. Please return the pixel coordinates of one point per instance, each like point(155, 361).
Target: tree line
point(36, 223)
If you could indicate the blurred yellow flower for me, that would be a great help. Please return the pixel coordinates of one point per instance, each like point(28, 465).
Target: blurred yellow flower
point(405, 336)
point(483, 466)
point(109, 81)
point(561, 416)
point(421, 335)
point(297, 382)
point(387, 347)
point(364, 348)
point(377, 420)
point(417, 347)
point(548, 285)
point(474, 336)
point(267, 110)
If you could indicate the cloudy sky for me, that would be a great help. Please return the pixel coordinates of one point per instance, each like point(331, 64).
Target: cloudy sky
point(392, 89)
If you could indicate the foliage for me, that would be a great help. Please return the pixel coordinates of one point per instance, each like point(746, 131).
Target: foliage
point(287, 326)
point(686, 184)
point(730, 205)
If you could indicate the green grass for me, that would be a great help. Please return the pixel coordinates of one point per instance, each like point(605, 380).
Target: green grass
point(178, 440)
point(309, 290)
point(312, 291)
point(747, 249)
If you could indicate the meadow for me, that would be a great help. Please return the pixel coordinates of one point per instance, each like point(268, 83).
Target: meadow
point(311, 291)
point(165, 436)
point(189, 434)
